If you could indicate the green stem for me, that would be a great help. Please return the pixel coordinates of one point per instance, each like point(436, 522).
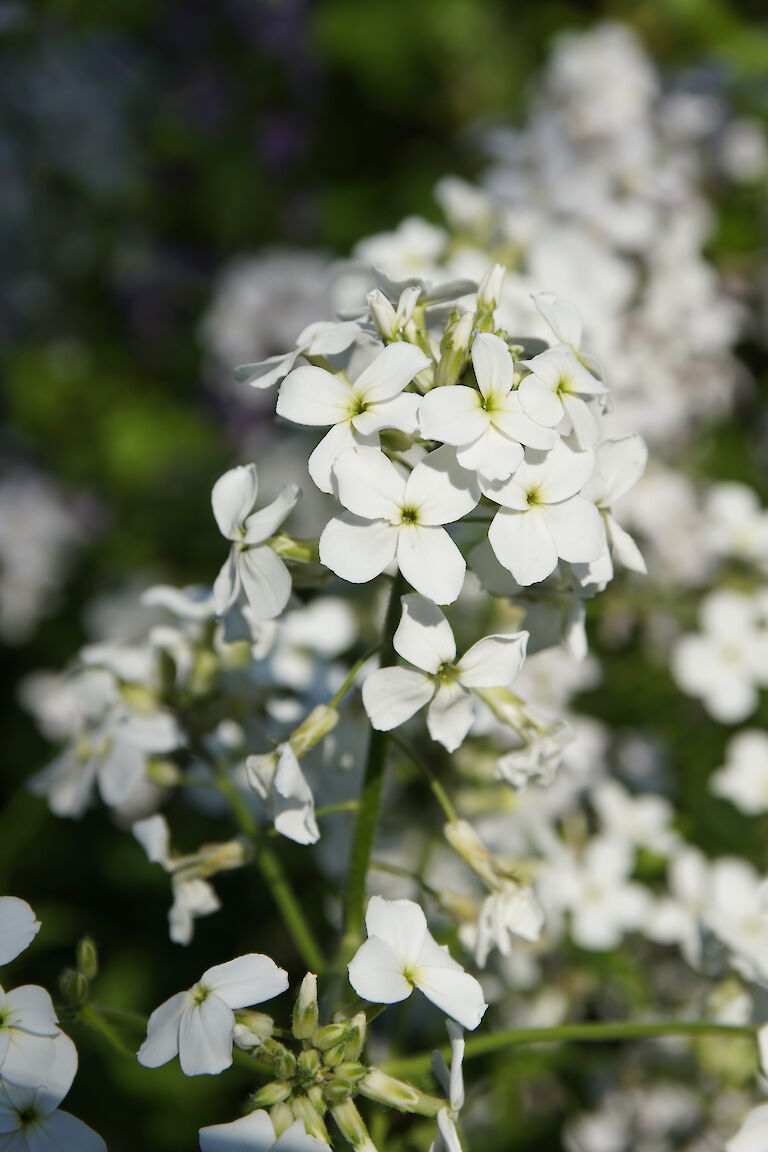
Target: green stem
point(93, 1018)
point(582, 1033)
point(349, 679)
point(274, 875)
point(440, 793)
point(370, 796)
point(396, 870)
point(321, 813)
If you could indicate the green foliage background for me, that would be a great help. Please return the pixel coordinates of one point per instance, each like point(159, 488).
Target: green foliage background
point(238, 124)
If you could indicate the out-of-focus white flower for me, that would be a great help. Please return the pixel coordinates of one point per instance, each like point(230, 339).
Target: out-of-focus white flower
point(355, 412)
point(753, 1134)
point(278, 779)
point(744, 151)
point(18, 927)
point(400, 954)
point(744, 778)
point(737, 522)
point(451, 1080)
point(198, 1025)
point(414, 246)
point(640, 820)
point(251, 565)
point(726, 663)
point(619, 464)
point(424, 638)
point(391, 514)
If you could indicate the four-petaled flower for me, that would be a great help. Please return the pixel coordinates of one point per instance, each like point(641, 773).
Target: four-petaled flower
point(400, 954)
point(424, 638)
point(560, 386)
point(251, 564)
point(391, 513)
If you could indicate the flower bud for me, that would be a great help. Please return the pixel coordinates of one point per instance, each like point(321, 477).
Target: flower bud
point(299, 551)
point(252, 1029)
point(163, 773)
point(74, 987)
point(356, 1034)
point(489, 289)
point(304, 1109)
point(463, 839)
point(397, 1094)
point(454, 350)
point(88, 958)
point(284, 1064)
point(309, 1063)
point(281, 1116)
point(350, 1070)
point(382, 314)
point(338, 1090)
point(352, 1127)
point(305, 1012)
point(335, 1054)
point(330, 1035)
point(273, 1093)
point(318, 724)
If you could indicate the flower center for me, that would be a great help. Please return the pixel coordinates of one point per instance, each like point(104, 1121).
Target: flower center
point(533, 497)
point(199, 994)
point(409, 515)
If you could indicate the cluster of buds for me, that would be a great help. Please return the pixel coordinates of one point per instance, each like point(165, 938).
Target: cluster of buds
point(322, 1072)
point(75, 983)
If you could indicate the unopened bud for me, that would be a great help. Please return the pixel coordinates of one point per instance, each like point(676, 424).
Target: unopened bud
point(252, 1029)
point(397, 1094)
point(299, 551)
point(281, 1116)
point(489, 289)
point(88, 958)
point(74, 987)
point(463, 839)
point(335, 1054)
point(352, 1127)
point(163, 773)
point(356, 1034)
point(272, 1093)
point(318, 724)
point(338, 1090)
point(330, 1035)
point(454, 350)
point(284, 1064)
point(350, 1070)
point(309, 1063)
point(304, 1109)
point(382, 314)
point(305, 1011)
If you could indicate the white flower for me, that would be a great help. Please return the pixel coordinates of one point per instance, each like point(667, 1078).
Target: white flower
point(251, 564)
point(30, 1120)
point(255, 1133)
point(735, 908)
point(424, 638)
point(400, 954)
point(565, 321)
point(355, 412)
point(744, 778)
point(542, 516)
point(512, 911)
point(322, 338)
point(393, 515)
point(753, 1134)
point(18, 927)
point(277, 777)
point(556, 389)
point(739, 524)
point(640, 820)
point(28, 1026)
point(198, 1025)
point(452, 1083)
point(728, 660)
point(487, 426)
point(619, 464)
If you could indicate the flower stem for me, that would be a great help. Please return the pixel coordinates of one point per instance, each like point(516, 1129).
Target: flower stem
point(274, 875)
point(349, 679)
point(440, 793)
point(94, 1019)
point(595, 1033)
point(370, 796)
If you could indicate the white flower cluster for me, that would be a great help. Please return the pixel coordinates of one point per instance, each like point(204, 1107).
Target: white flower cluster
point(38, 1061)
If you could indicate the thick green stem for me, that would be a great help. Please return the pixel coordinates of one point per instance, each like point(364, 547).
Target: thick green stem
point(370, 796)
point(581, 1033)
point(272, 871)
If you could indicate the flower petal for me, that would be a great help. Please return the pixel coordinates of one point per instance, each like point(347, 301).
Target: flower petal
point(402, 413)
point(430, 562)
point(451, 715)
point(232, 498)
point(523, 544)
point(369, 484)
point(205, 1037)
point(357, 550)
point(392, 695)
point(399, 923)
point(162, 1042)
point(337, 440)
point(312, 396)
point(493, 364)
point(562, 316)
point(540, 402)
point(251, 1133)
point(583, 422)
point(376, 973)
point(493, 455)
point(440, 489)
point(424, 636)
point(226, 586)
point(249, 979)
point(60, 1132)
point(447, 985)
point(18, 927)
point(494, 661)
point(266, 581)
point(453, 414)
point(265, 522)
point(577, 529)
point(391, 371)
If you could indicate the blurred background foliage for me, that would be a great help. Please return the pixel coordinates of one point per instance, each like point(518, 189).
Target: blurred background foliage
point(142, 145)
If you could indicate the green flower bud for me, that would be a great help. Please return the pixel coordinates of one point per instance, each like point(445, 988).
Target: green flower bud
point(309, 1064)
point(273, 1093)
point(330, 1035)
point(281, 1116)
point(300, 551)
point(335, 1054)
point(252, 1029)
point(358, 1027)
point(311, 731)
point(397, 1094)
point(352, 1127)
point(284, 1064)
point(454, 350)
point(74, 987)
point(350, 1070)
point(88, 958)
point(305, 1012)
point(304, 1109)
point(338, 1090)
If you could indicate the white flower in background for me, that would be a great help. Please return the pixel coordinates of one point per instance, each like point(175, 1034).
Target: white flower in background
point(18, 927)
point(726, 663)
point(596, 889)
point(514, 911)
point(737, 523)
point(753, 1134)
point(278, 779)
point(564, 319)
point(451, 1080)
point(619, 464)
point(400, 954)
point(736, 911)
point(488, 426)
point(560, 388)
point(251, 564)
point(415, 246)
point(744, 777)
point(356, 413)
point(424, 638)
point(543, 517)
point(193, 896)
point(30, 1118)
point(255, 1133)
point(393, 515)
point(198, 1025)
point(644, 821)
